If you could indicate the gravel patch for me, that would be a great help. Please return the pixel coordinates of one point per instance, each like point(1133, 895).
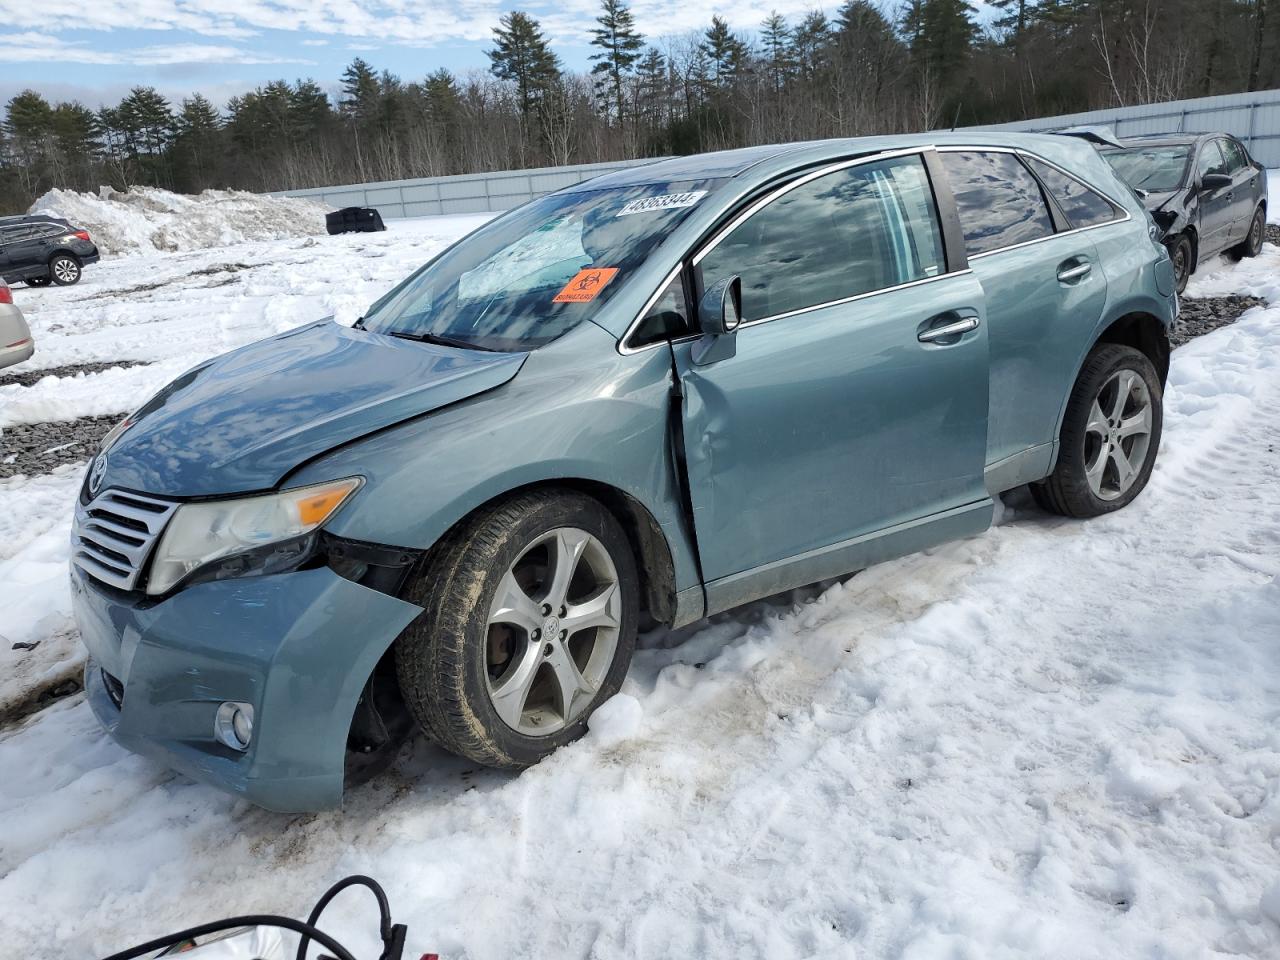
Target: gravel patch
point(31, 377)
point(1200, 315)
point(34, 448)
point(1273, 233)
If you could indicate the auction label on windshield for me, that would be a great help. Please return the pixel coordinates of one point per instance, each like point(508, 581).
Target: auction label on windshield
point(585, 285)
point(668, 201)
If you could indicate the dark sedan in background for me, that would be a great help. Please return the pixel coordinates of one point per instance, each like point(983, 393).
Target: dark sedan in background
point(40, 250)
point(1204, 191)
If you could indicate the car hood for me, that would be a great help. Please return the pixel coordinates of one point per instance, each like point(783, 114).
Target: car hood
point(1157, 201)
point(243, 421)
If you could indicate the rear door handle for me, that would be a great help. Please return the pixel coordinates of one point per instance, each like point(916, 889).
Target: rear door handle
point(1067, 274)
point(946, 331)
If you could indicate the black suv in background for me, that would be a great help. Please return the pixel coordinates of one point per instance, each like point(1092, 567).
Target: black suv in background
point(41, 250)
point(1204, 191)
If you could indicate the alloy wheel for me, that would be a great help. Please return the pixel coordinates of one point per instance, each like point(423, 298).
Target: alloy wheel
point(1117, 435)
point(552, 631)
point(66, 270)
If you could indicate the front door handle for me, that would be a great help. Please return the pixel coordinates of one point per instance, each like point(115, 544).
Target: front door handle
point(1077, 272)
point(946, 331)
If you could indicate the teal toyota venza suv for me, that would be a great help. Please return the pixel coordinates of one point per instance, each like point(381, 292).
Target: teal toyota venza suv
point(643, 399)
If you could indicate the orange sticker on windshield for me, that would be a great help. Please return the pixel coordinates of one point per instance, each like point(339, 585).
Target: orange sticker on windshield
point(585, 285)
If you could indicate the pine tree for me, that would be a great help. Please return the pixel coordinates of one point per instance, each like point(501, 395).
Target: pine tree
point(620, 46)
point(359, 91)
point(652, 84)
point(940, 35)
point(522, 55)
point(726, 53)
point(775, 45)
point(810, 45)
point(196, 143)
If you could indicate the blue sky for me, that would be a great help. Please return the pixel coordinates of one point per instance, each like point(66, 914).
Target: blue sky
point(94, 51)
point(97, 49)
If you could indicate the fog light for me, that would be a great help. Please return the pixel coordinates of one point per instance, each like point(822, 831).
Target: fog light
point(233, 725)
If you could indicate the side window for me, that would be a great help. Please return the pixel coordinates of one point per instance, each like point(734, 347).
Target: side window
point(13, 233)
point(1210, 160)
point(850, 232)
point(999, 202)
point(666, 319)
point(1082, 206)
point(1235, 156)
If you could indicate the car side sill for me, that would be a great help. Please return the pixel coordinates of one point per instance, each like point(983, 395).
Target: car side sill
point(848, 556)
point(1025, 466)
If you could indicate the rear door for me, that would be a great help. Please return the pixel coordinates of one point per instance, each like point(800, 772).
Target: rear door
point(1217, 206)
point(843, 414)
point(1045, 292)
point(1244, 189)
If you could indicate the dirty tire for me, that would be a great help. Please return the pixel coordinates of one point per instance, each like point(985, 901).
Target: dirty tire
point(442, 658)
point(1180, 252)
point(1067, 490)
point(64, 269)
point(1251, 245)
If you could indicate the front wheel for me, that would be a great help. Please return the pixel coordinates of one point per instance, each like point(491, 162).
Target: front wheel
point(65, 269)
point(528, 624)
point(1180, 253)
point(1110, 435)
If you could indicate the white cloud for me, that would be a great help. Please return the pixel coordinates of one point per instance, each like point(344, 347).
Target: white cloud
point(33, 47)
point(421, 23)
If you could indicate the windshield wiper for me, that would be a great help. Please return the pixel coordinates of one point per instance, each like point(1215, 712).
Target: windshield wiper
point(439, 340)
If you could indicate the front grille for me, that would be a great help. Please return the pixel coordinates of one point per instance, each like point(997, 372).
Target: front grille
point(113, 534)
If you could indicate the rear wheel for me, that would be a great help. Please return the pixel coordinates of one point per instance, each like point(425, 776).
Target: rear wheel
point(64, 269)
point(1180, 253)
point(1110, 435)
point(1251, 246)
point(528, 624)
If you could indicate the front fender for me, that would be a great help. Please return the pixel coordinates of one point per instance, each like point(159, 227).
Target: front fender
point(578, 410)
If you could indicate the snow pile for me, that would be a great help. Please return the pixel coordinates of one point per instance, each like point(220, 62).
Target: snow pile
point(144, 219)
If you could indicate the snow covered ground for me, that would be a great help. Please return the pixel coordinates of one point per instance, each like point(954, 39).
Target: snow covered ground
point(1057, 739)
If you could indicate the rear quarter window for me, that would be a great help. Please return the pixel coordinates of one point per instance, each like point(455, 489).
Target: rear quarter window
point(1082, 206)
point(999, 201)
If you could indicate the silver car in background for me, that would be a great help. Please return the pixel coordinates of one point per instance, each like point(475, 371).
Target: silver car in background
point(16, 344)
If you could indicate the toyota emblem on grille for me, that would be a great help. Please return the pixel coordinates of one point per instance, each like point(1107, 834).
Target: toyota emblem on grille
point(96, 472)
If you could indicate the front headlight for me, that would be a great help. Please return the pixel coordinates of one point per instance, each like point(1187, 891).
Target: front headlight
point(200, 533)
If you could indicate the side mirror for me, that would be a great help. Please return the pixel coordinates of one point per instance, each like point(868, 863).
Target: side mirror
point(1214, 181)
point(719, 316)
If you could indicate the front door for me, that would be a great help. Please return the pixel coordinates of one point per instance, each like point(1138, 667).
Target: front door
point(846, 428)
point(1217, 206)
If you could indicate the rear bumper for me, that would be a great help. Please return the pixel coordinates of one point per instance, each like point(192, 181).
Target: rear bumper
point(11, 355)
point(297, 646)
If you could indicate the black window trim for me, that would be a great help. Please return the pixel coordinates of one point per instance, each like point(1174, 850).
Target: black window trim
point(758, 201)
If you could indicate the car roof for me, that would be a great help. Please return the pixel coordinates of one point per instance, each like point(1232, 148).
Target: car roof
point(33, 218)
point(736, 163)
